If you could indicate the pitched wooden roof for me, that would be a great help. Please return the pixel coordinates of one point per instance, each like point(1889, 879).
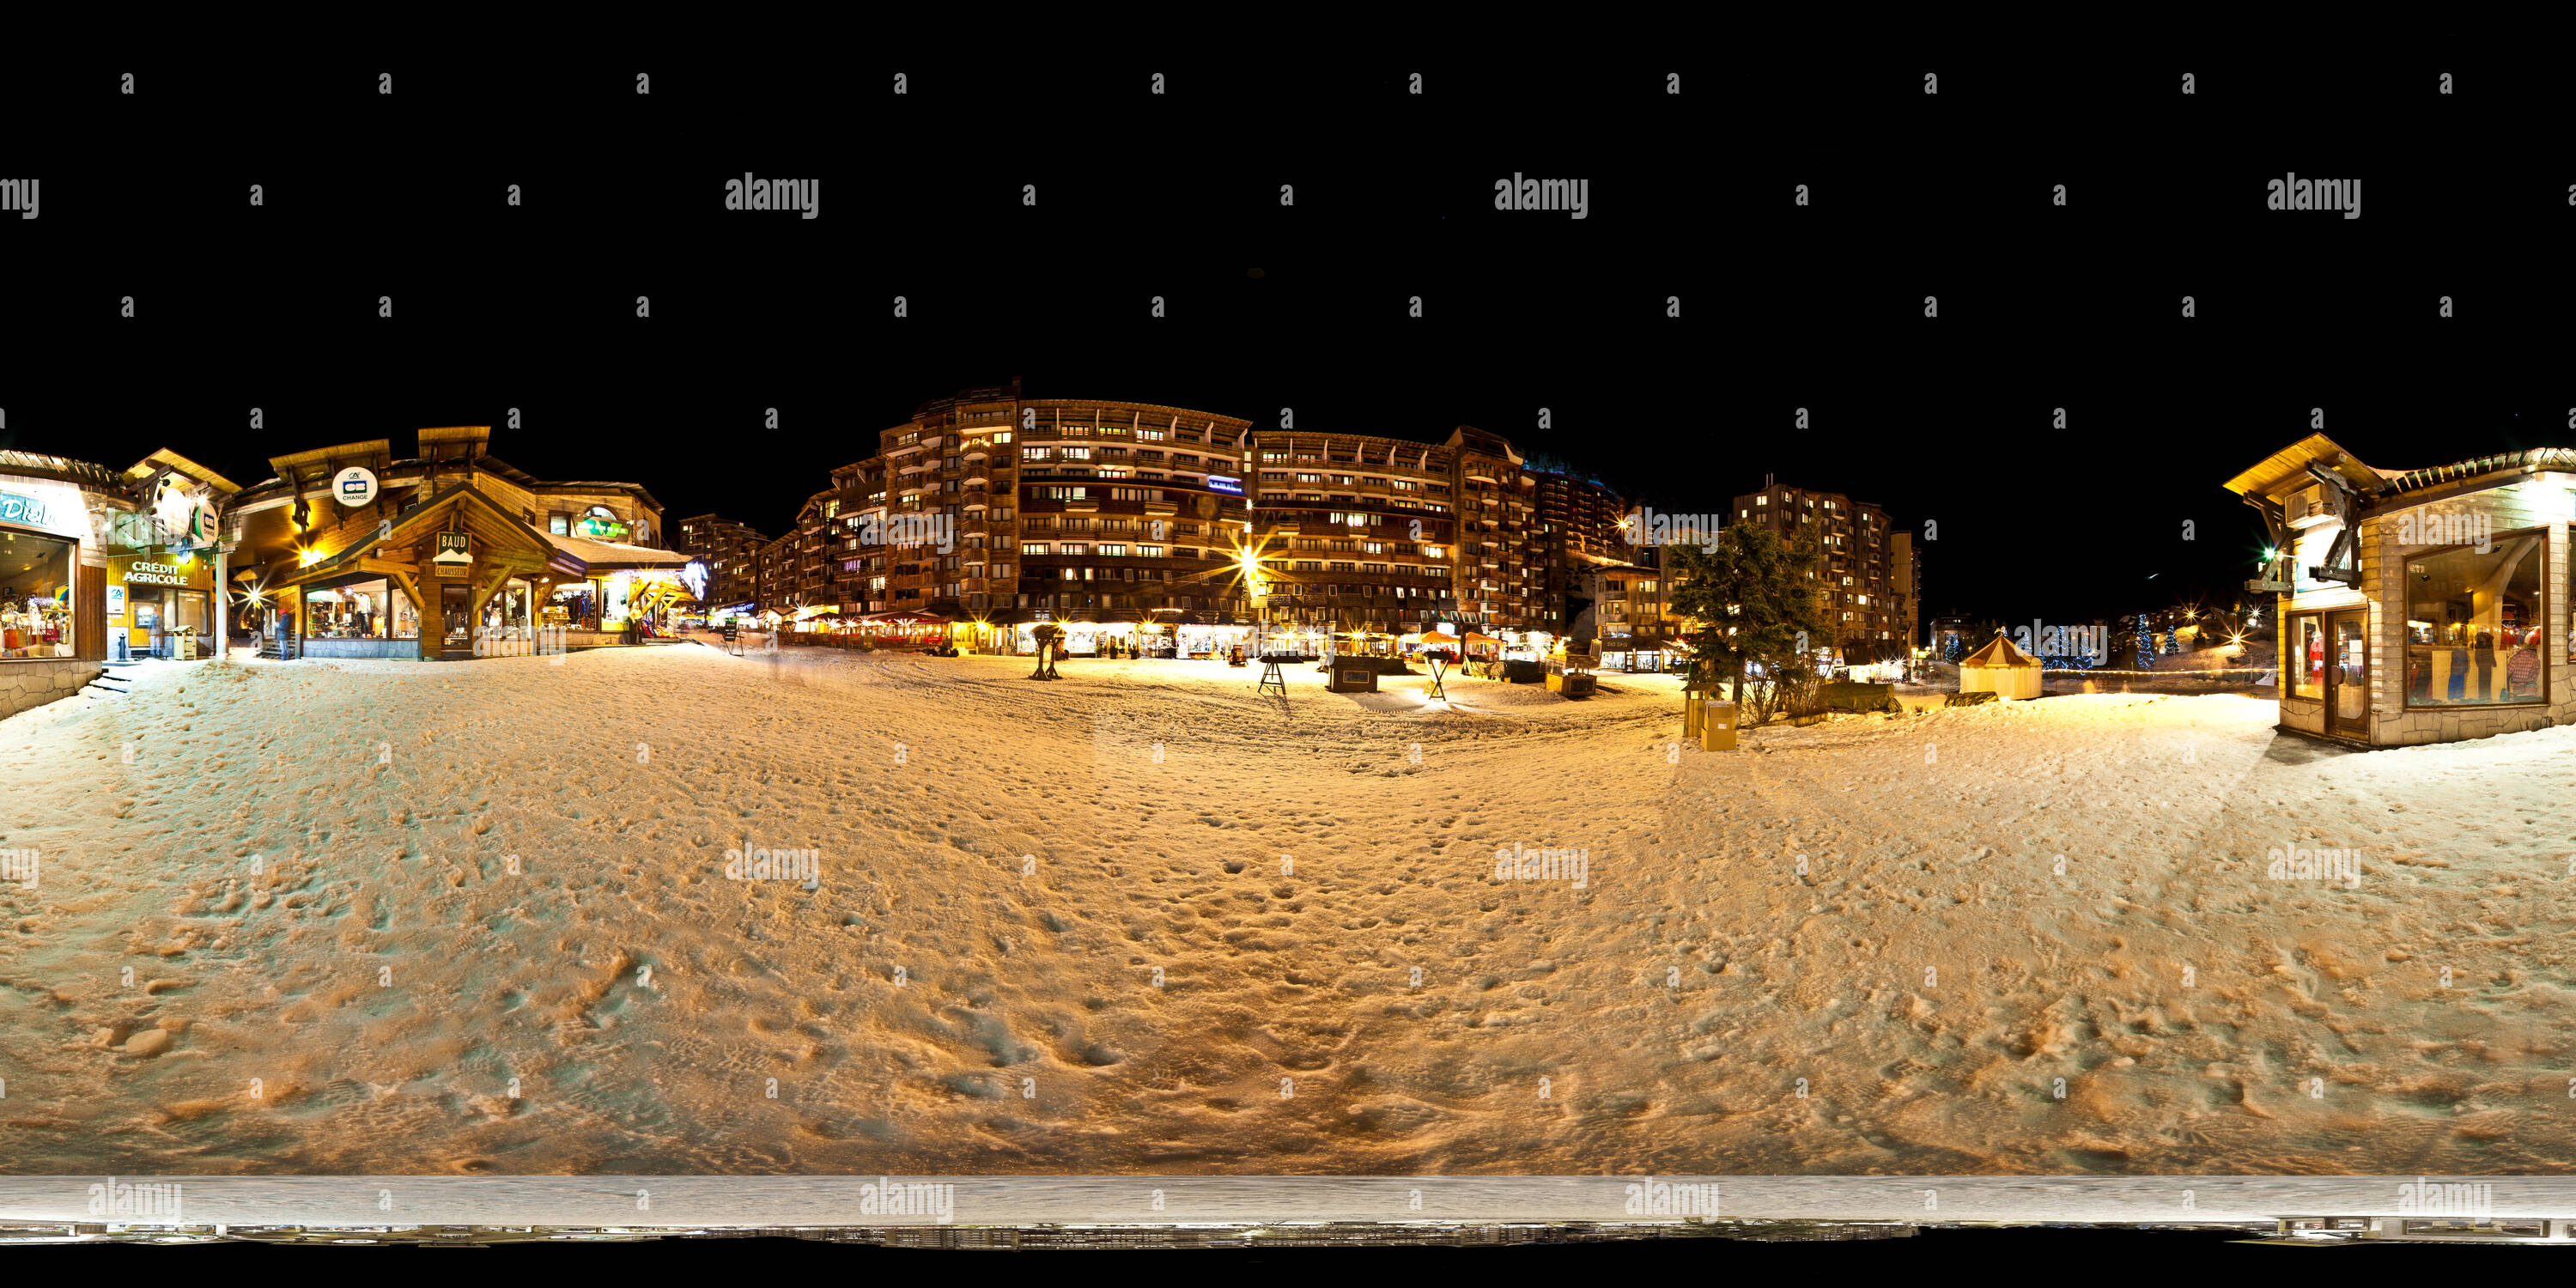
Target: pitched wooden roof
point(2001, 652)
point(350, 545)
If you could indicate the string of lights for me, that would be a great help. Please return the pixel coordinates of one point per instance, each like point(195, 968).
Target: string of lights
point(2225, 670)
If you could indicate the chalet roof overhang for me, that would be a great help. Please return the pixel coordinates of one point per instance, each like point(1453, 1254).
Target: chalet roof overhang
point(166, 461)
point(503, 541)
point(2287, 469)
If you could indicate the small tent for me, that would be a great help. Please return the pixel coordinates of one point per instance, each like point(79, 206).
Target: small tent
point(2001, 669)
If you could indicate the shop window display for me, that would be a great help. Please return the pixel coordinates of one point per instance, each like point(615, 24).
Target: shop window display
point(367, 610)
point(2307, 657)
point(2475, 628)
point(35, 596)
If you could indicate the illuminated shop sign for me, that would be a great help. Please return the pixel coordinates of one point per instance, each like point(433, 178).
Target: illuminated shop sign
point(22, 509)
point(140, 573)
point(601, 523)
point(1225, 484)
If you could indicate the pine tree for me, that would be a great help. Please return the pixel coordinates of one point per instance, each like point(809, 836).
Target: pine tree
point(1758, 587)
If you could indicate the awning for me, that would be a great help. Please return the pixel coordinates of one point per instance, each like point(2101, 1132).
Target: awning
point(903, 619)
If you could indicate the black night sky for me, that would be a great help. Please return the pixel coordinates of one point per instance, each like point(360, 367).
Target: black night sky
point(1947, 421)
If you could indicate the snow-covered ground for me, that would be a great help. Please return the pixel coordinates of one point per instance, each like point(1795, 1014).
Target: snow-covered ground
point(308, 869)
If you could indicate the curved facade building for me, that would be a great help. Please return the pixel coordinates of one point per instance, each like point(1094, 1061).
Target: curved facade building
point(1001, 511)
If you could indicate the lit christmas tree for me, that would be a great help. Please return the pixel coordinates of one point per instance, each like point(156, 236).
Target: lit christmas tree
point(2146, 644)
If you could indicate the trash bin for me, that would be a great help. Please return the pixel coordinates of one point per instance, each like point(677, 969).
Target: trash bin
point(1695, 698)
point(1716, 726)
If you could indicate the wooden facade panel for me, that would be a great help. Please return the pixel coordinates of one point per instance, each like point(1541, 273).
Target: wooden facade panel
point(89, 612)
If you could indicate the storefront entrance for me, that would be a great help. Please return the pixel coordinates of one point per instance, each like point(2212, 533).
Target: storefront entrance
point(2348, 674)
point(457, 618)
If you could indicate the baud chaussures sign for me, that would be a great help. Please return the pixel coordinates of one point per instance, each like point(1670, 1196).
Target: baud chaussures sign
point(452, 552)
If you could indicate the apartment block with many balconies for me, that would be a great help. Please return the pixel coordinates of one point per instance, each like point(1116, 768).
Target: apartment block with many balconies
point(1869, 605)
point(1000, 510)
point(1355, 532)
point(731, 552)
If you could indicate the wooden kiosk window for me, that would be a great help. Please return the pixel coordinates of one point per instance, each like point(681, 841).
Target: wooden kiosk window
point(2476, 623)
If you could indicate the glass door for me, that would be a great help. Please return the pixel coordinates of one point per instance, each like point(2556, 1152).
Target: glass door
point(2348, 675)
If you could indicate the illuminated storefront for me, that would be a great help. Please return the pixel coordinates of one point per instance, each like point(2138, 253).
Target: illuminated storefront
point(37, 568)
point(167, 603)
point(42, 523)
point(86, 551)
point(351, 551)
point(2426, 606)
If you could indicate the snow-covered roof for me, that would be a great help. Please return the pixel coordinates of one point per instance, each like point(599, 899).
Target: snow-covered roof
point(616, 554)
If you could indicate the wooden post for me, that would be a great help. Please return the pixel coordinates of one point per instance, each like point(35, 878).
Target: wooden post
point(482, 595)
point(432, 603)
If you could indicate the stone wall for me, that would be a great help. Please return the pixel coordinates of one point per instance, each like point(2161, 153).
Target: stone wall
point(25, 685)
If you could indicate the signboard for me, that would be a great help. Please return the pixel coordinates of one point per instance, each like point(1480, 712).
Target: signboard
point(115, 603)
point(732, 632)
point(354, 486)
point(141, 573)
point(452, 550)
point(1224, 484)
point(19, 508)
point(601, 523)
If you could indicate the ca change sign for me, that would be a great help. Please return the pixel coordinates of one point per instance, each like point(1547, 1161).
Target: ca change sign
point(354, 486)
